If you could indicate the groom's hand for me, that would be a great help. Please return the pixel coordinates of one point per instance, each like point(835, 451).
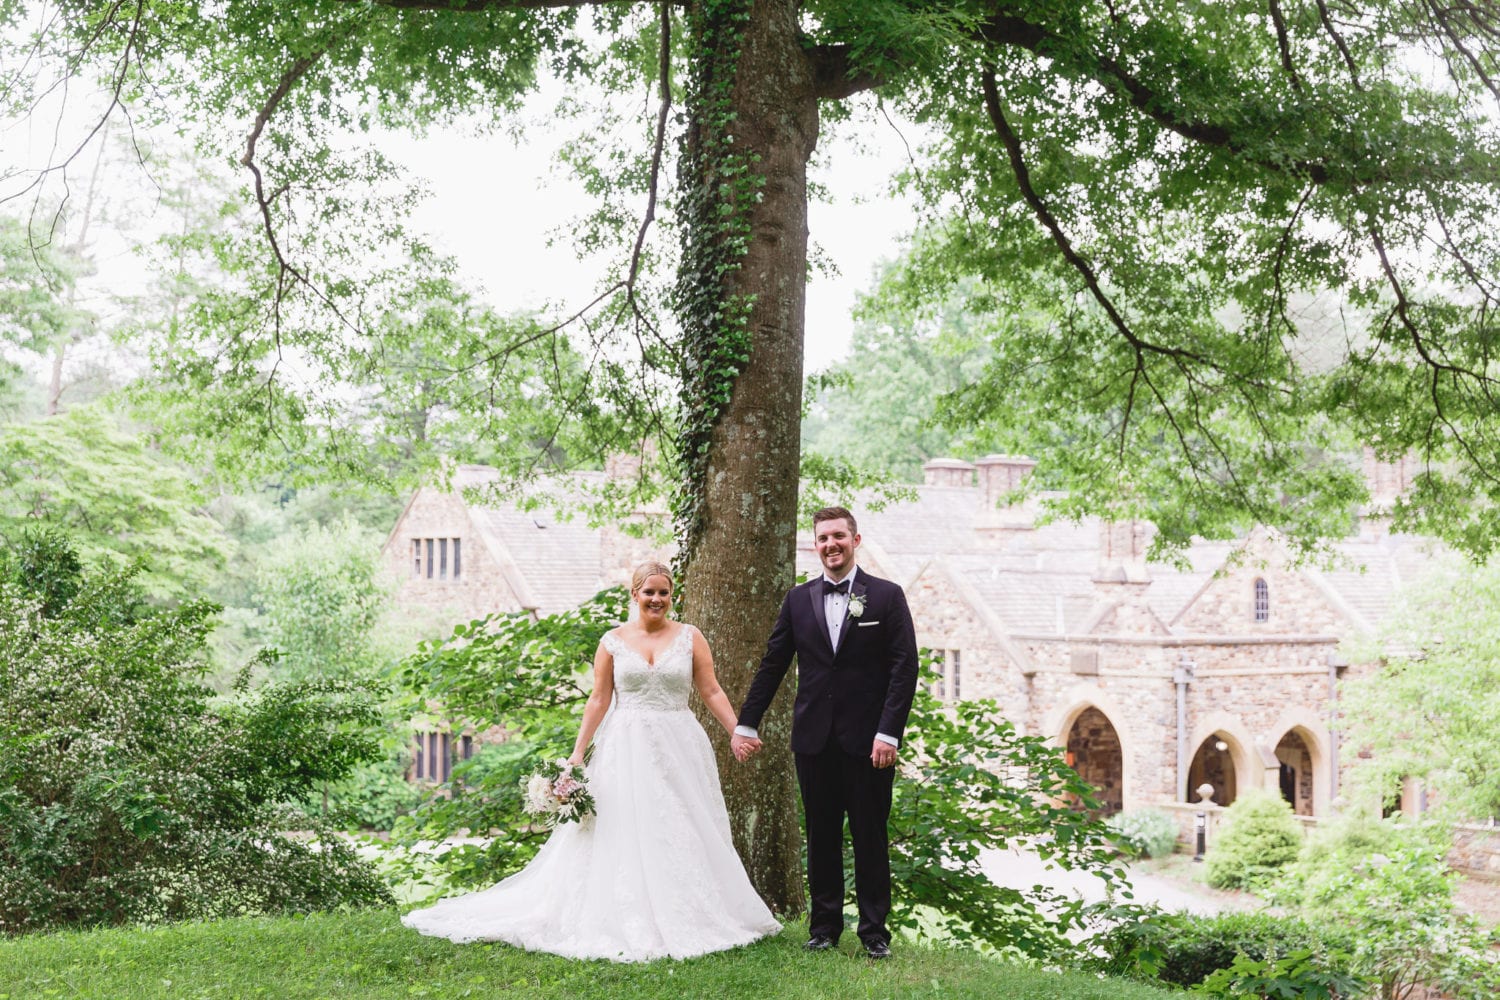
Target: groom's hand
point(882, 754)
point(743, 747)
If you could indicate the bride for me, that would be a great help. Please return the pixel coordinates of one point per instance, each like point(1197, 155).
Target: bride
point(654, 873)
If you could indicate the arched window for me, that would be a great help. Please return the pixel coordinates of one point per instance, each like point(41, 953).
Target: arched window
point(1262, 600)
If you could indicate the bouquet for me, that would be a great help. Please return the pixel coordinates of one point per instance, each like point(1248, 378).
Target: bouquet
point(558, 789)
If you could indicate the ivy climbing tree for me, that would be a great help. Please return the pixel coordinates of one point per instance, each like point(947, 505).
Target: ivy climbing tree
point(1220, 245)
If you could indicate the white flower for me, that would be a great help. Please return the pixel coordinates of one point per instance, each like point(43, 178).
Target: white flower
point(539, 797)
point(856, 605)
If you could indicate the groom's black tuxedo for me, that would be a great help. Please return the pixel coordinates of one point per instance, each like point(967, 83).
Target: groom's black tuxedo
point(844, 698)
point(849, 695)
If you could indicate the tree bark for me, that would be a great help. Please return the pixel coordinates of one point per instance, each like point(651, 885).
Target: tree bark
point(744, 563)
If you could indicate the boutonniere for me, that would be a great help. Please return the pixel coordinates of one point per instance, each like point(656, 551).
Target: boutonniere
point(856, 605)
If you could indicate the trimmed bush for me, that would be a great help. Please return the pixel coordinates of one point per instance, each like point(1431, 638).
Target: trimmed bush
point(1259, 839)
point(1144, 833)
point(1185, 950)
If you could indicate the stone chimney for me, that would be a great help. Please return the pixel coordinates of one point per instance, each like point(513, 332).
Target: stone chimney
point(1387, 480)
point(998, 476)
point(948, 472)
point(1122, 551)
point(635, 536)
point(1122, 579)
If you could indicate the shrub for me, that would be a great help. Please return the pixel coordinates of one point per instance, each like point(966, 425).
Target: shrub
point(1185, 950)
point(1148, 833)
point(1388, 887)
point(1259, 839)
point(128, 791)
point(1298, 976)
point(974, 784)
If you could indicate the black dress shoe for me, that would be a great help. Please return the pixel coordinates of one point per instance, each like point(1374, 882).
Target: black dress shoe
point(877, 949)
point(819, 942)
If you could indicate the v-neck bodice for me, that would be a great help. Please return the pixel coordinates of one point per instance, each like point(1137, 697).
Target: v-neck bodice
point(663, 685)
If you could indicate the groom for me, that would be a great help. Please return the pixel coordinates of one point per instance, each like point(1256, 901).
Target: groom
point(856, 673)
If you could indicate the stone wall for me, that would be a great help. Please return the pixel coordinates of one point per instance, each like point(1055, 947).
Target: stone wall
point(481, 587)
point(1476, 850)
point(944, 621)
point(1297, 606)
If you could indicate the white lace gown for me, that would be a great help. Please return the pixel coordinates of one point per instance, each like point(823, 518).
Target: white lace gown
point(654, 873)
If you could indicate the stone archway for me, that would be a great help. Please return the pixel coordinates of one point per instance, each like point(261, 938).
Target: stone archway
point(1093, 750)
point(1214, 764)
point(1299, 772)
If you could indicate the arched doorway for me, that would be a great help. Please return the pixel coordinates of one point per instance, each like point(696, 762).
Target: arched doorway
point(1213, 764)
point(1298, 772)
point(1093, 750)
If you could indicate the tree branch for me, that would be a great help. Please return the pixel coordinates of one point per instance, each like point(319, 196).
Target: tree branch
point(1044, 215)
point(1016, 32)
point(1284, 44)
point(1327, 18)
point(833, 75)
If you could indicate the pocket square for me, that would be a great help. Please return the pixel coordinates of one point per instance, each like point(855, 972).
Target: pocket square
point(868, 624)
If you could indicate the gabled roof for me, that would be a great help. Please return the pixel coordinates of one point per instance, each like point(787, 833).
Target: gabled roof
point(556, 559)
point(1036, 581)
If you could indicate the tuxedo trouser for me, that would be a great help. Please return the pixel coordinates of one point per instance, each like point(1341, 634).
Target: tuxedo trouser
point(834, 784)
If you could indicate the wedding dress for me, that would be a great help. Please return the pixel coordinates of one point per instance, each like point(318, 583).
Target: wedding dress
point(654, 873)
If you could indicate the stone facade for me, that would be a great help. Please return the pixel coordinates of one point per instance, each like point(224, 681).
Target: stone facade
point(1155, 678)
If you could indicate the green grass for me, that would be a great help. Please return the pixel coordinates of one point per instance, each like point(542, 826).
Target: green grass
point(370, 955)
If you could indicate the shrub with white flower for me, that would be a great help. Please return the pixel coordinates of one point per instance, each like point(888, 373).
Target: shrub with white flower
point(558, 790)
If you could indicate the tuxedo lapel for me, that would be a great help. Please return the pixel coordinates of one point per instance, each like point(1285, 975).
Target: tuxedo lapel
point(820, 615)
point(856, 592)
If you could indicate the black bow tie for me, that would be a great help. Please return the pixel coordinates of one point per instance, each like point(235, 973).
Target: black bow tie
point(829, 587)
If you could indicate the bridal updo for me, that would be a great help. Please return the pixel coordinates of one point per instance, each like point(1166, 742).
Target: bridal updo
point(645, 571)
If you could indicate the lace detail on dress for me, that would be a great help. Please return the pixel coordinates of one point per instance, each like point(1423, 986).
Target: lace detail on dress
point(663, 686)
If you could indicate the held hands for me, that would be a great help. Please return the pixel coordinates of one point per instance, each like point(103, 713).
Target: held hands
point(743, 747)
point(882, 754)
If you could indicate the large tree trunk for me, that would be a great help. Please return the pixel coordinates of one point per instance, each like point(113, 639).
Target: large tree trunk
point(743, 560)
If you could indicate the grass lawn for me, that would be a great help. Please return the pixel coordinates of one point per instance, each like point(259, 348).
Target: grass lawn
point(370, 955)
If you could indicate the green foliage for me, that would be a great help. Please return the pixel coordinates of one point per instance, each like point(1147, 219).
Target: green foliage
point(115, 495)
point(877, 409)
point(719, 182)
point(528, 675)
point(321, 598)
point(375, 794)
point(1144, 833)
point(1184, 950)
point(369, 956)
point(1387, 886)
point(975, 784)
point(1296, 976)
point(482, 799)
point(128, 792)
point(37, 278)
point(1439, 662)
point(525, 673)
point(1259, 837)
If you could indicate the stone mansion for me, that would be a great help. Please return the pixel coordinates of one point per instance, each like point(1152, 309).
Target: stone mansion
point(1155, 679)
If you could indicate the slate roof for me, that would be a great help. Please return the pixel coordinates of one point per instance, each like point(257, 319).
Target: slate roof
point(558, 558)
point(1041, 582)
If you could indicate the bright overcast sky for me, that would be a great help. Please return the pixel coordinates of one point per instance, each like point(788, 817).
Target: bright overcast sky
point(494, 204)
